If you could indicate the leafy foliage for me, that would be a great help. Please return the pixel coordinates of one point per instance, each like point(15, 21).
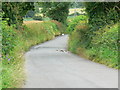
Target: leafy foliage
point(79, 19)
point(19, 42)
point(78, 38)
point(38, 17)
point(105, 46)
point(8, 39)
point(61, 27)
point(15, 11)
point(56, 10)
point(98, 39)
point(103, 13)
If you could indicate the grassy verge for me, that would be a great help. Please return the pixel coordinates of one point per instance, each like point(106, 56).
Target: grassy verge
point(103, 47)
point(13, 74)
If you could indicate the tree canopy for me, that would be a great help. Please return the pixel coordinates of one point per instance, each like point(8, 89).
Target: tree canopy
point(102, 13)
point(16, 11)
point(55, 10)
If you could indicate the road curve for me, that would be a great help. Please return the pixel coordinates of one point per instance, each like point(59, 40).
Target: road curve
point(50, 65)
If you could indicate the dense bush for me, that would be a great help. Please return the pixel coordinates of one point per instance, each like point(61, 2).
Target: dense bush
point(37, 17)
point(78, 29)
point(98, 39)
point(102, 13)
point(55, 10)
point(20, 41)
point(77, 39)
point(15, 11)
point(104, 44)
point(61, 27)
point(8, 38)
point(78, 19)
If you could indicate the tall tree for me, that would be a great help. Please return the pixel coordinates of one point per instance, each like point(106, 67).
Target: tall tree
point(15, 11)
point(55, 10)
point(102, 13)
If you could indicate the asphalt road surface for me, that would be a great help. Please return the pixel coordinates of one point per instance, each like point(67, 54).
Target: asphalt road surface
point(50, 65)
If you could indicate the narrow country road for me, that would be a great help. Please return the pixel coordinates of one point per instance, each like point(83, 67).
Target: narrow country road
point(50, 65)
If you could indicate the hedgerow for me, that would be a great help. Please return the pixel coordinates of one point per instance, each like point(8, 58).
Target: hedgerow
point(16, 43)
point(79, 19)
point(97, 39)
point(104, 44)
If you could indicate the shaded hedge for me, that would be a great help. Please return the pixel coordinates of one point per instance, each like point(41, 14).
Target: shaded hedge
point(103, 13)
point(78, 19)
point(97, 39)
point(104, 44)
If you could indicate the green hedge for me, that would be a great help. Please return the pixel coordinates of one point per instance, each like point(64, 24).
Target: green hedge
point(78, 19)
point(37, 18)
point(16, 43)
point(97, 39)
point(104, 45)
point(8, 38)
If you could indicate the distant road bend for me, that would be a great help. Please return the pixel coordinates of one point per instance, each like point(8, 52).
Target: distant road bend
point(50, 65)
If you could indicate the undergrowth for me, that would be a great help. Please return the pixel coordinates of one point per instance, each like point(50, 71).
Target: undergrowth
point(103, 46)
point(14, 45)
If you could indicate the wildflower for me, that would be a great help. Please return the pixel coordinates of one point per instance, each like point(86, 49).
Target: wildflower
point(8, 59)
